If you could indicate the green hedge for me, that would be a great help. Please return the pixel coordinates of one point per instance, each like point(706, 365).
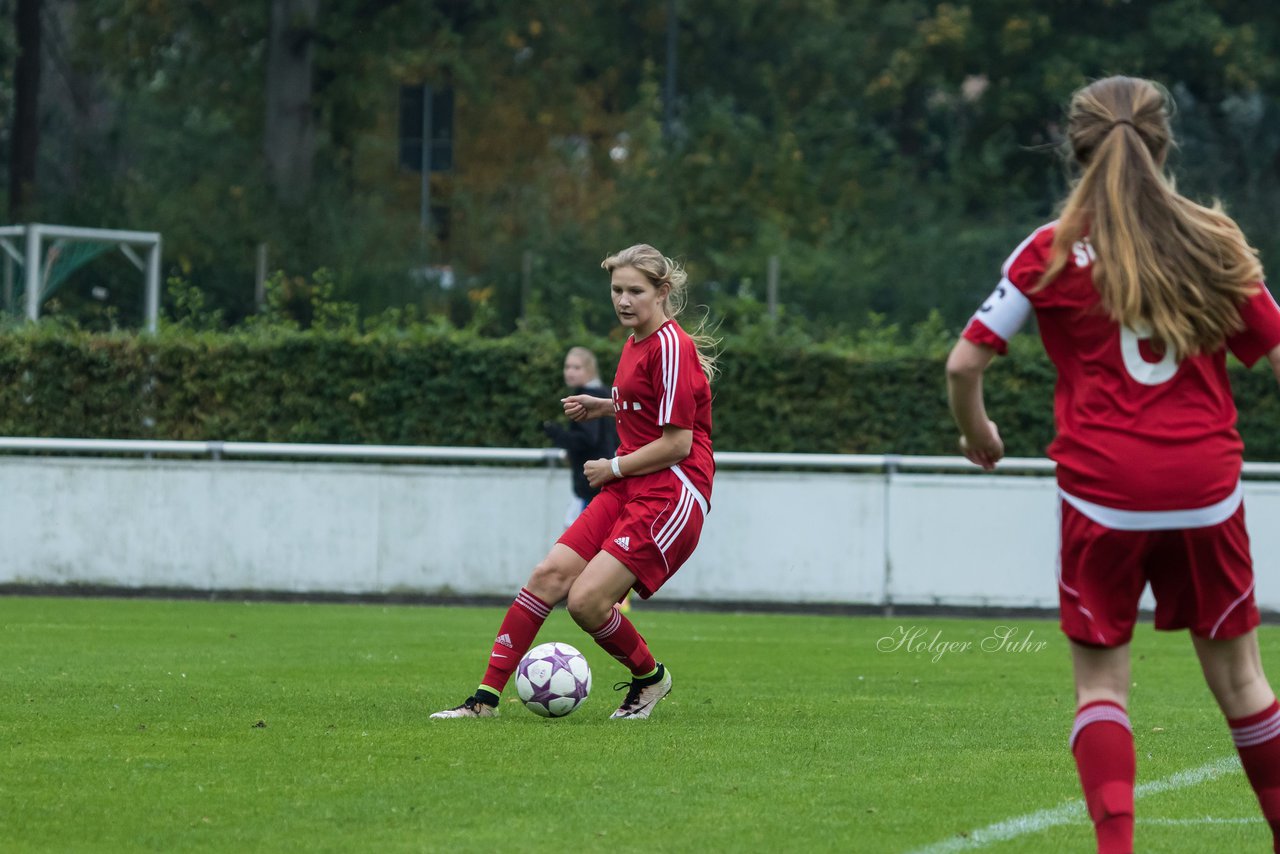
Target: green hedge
point(435, 386)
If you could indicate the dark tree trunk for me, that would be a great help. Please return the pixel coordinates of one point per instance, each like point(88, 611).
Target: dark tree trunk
point(289, 135)
point(26, 125)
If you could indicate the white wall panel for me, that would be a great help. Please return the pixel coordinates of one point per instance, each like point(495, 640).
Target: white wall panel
point(773, 536)
point(973, 540)
point(789, 536)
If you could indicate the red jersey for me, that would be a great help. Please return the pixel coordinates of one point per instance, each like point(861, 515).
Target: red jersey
point(659, 381)
point(1136, 430)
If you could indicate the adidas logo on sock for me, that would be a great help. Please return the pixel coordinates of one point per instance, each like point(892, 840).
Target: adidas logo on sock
point(505, 640)
point(624, 543)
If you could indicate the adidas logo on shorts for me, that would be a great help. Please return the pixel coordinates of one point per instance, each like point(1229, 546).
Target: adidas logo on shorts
point(624, 543)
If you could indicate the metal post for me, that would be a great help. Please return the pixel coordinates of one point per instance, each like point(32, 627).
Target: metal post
point(153, 286)
point(526, 282)
point(424, 215)
point(669, 82)
point(260, 278)
point(8, 284)
point(33, 271)
point(771, 287)
point(891, 462)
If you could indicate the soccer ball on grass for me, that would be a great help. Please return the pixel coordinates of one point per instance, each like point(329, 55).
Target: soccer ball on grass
point(553, 679)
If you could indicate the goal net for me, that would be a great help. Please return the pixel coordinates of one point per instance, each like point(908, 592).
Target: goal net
point(40, 259)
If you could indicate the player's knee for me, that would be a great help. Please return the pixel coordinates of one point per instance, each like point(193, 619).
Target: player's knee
point(550, 582)
point(1240, 693)
point(587, 608)
point(1243, 680)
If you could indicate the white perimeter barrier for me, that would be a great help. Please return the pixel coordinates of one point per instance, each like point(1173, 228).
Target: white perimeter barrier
point(784, 528)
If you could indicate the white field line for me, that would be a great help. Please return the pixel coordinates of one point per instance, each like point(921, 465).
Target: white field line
point(1194, 821)
point(1074, 811)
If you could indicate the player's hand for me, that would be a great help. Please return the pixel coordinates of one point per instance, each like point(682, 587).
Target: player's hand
point(986, 450)
point(584, 407)
point(598, 472)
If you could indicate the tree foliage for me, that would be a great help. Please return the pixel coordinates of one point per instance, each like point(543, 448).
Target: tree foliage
point(890, 154)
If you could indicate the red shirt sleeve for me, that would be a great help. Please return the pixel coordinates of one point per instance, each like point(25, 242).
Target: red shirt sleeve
point(978, 333)
point(1007, 309)
point(1261, 333)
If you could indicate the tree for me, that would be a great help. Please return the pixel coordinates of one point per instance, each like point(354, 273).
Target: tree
point(289, 134)
point(890, 152)
point(25, 142)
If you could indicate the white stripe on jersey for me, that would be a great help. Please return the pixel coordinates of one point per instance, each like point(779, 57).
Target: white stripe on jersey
point(1005, 311)
point(1008, 262)
point(1159, 520)
point(670, 366)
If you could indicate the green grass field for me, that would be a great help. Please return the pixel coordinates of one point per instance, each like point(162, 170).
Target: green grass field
point(142, 725)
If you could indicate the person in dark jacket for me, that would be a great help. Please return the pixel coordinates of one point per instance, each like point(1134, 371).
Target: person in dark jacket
point(583, 440)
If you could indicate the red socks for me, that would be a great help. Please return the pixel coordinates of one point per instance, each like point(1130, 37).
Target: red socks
point(1257, 738)
point(525, 616)
point(619, 638)
point(1102, 742)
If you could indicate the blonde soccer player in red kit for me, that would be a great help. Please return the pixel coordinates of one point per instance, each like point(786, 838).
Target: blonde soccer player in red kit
point(654, 495)
point(1139, 293)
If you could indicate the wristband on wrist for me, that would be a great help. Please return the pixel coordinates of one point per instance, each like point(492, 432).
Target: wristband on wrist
point(617, 469)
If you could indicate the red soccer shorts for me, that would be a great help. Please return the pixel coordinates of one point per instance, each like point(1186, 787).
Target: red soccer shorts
point(1202, 579)
point(650, 523)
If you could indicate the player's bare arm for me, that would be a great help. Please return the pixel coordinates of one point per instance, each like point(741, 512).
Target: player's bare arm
point(979, 439)
point(1274, 358)
point(662, 453)
point(584, 407)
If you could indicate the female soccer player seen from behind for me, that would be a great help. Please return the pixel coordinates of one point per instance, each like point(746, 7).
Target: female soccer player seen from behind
point(653, 497)
point(1138, 293)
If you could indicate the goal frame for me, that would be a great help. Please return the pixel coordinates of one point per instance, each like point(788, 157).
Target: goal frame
point(33, 236)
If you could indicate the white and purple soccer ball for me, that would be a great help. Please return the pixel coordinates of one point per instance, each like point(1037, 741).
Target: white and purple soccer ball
point(553, 679)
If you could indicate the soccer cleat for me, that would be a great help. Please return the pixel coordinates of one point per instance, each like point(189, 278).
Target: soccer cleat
point(642, 696)
point(471, 708)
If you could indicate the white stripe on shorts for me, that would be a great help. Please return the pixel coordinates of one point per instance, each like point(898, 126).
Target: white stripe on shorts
point(688, 484)
point(1213, 633)
point(679, 517)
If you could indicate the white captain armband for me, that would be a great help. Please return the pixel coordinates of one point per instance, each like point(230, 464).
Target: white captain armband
point(1005, 311)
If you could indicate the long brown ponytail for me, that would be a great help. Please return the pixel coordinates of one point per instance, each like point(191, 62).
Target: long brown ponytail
point(1179, 269)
